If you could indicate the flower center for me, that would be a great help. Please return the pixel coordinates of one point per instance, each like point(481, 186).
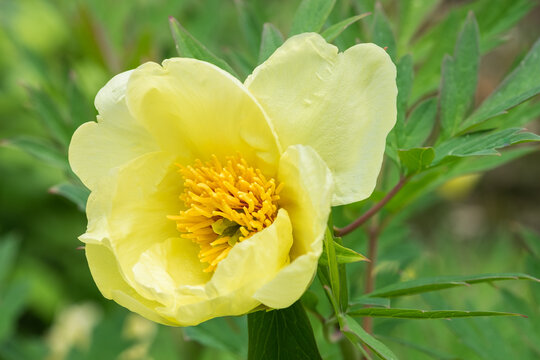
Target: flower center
point(226, 204)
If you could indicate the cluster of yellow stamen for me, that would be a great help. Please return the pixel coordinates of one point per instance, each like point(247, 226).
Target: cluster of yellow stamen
point(225, 203)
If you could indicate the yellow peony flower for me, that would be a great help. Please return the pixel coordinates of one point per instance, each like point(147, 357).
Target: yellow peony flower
point(210, 197)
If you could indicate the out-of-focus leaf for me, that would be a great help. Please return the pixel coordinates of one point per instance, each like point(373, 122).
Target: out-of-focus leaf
point(12, 301)
point(521, 84)
point(381, 30)
point(412, 15)
point(420, 124)
point(531, 239)
point(443, 282)
point(40, 149)
point(9, 245)
point(515, 117)
point(78, 194)
point(249, 23)
point(311, 16)
point(278, 334)
point(359, 337)
point(188, 46)
point(424, 314)
point(106, 342)
point(271, 40)
point(423, 349)
point(404, 81)
point(371, 301)
point(459, 78)
point(416, 159)
point(227, 334)
point(343, 255)
point(479, 144)
point(164, 346)
point(332, 32)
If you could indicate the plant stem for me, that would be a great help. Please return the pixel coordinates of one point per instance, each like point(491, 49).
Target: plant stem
point(373, 237)
point(374, 209)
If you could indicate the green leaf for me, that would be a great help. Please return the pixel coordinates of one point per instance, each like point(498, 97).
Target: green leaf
point(41, 149)
point(521, 84)
point(371, 301)
point(226, 333)
point(412, 13)
point(358, 336)
point(278, 334)
point(333, 269)
point(483, 143)
point(459, 78)
point(424, 314)
point(420, 124)
point(188, 46)
point(381, 31)
point(343, 255)
point(311, 16)
point(332, 32)
point(9, 245)
point(416, 159)
point(271, 40)
point(12, 302)
point(423, 349)
point(404, 81)
point(249, 23)
point(443, 282)
point(77, 194)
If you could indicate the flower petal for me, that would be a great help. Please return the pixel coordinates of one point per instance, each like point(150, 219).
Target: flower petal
point(306, 195)
point(191, 105)
point(115, 139)
point(343, 105)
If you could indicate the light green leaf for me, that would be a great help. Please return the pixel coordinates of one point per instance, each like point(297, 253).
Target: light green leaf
point(9, 246)
point(459, 78)
point(371, 301)
point(358, 336)
point(249, 23)
point(78, 194)
point(518, 86)
point(423, 349)
point(424, 314)
point(311, 16)
point(271, 40)
point(381, 31)
point(481, 143)
point(404, 81)
point(277, 334)
point(41, 149)
point(412, 14)
point(226, 333)
point(188, 46)
point(416, 159)
point(332, 32)
point(443, 282)
point(420, 124)
point(343, 255)
point(12, 301)
point(333, 269)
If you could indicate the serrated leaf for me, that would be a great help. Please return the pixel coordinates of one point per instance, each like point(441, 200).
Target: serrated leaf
point(420, 124)
point(416, 159)
point(381, 31)
point(271, 40)
point(480, 144)
point(443, 282)
point(521, 84)
point(332, 32)
point(311, 16)
point(77, 194)
point(424, 314)
point(343, 255)
point(188, 46)
point(278, 334)
point(41, 149)
point(459, 78)
point(358, 336)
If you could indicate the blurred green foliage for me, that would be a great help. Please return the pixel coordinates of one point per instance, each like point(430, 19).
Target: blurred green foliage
point(56, 54)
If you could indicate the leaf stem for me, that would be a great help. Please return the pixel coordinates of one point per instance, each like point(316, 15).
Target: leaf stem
point(373, 210)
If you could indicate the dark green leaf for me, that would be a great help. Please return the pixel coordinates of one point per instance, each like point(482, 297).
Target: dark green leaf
point(444, 282)
point(12, 301)
point(420, 124)
point(382, 34)
point(9, 245)
point(518, 86)
point(416, 159)
point(424, 314)
point(311, 16)
point(335, 30)
point(358, 336)
point(481, 143)
point(78, 194)
point(40, 149)
point(281, 334)
point(188, 46)
point(459, 78)
point(271, 40)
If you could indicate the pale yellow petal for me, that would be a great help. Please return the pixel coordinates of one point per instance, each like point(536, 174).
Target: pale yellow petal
point(307, 197)
point(115, 139)
point(341, 104)
point(193, 106)
point(111, 284)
